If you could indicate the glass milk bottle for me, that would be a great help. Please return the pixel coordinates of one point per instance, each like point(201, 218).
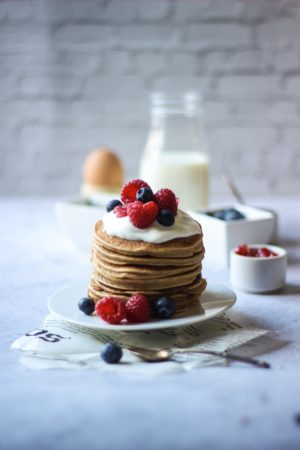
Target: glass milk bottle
point(176, 152)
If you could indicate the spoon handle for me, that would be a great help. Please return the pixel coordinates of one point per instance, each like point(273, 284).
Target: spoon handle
point(234, 190)
point(230, 356)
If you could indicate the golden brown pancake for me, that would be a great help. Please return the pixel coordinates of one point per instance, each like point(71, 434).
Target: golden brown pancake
point(186, 303)
point(185, 247)
point(115, 257)
point(132, 271)
point(196, 288)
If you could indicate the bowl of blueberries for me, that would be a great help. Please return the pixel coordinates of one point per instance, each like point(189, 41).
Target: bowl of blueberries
point(225, 228)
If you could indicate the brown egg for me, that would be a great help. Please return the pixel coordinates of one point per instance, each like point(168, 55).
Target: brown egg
point(103, 170)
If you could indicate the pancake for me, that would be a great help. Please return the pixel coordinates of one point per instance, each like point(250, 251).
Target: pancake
point(186, 303)
point(185, 247)
point(129, 270)
point(141, 284)
point(194, 288)
point(116, 257)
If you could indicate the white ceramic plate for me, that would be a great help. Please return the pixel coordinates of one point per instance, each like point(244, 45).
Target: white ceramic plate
point(64, 303)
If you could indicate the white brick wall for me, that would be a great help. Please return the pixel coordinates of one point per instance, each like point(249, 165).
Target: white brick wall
point(76, 74)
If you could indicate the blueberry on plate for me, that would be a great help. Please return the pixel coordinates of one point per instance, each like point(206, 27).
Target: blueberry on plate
point(112, 204)
point(86, 305)
point(111, 353)
point(164, 307)
point(144, 194)
point(165, 218)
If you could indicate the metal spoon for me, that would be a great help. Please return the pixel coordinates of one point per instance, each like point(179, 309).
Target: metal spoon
point(163, 354)
point(233, 188)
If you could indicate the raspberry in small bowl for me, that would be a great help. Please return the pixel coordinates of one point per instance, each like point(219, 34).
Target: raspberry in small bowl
point(258, 268)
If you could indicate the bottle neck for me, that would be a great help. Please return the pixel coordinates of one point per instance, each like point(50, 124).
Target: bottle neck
point(176, 129)
point(175, 102)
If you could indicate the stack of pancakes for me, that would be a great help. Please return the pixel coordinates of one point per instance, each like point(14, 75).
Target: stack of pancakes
point(122, 267)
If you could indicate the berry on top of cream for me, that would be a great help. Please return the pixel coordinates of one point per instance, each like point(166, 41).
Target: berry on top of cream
point(147, 216)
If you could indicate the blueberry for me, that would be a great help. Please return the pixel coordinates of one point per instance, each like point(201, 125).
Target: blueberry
point(111, 353)
point(227, 214)
point(219, 214)
point(144, 194)
point(86, 305)
point(165, 217)
point(233, 214)
point(112, 204)
point(164, 307)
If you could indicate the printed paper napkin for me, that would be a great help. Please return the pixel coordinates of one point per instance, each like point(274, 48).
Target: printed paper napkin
point(61, 344)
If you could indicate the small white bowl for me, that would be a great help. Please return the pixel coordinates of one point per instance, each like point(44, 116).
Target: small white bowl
point(78, 219)
point(258, 274)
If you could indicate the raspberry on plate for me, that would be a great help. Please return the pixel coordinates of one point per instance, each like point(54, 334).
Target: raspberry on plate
point(142, 215)
point(137, 309)
point(129, 190)
point(166, 199)
point(111, 309)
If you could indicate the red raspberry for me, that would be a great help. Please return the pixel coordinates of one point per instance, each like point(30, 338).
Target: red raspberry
point(142, 215)
point(120, 211)
point(129, 190)
point(253, 252)
point(111, 309)
point(242, 250)
point(264, 252)
point(166, 199)
point(137, 309)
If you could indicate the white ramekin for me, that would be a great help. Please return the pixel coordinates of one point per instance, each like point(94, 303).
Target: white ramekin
point(258, 274)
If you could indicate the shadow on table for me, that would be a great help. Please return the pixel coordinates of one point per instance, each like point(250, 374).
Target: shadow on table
point(288, 243)
point(262, 345)
point(292, 247)
point(293, 259)
point(289, 289)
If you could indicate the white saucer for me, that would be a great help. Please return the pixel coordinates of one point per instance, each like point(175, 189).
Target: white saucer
point(64, 303)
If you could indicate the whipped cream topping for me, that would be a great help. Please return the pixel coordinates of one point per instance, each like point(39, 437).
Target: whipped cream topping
point(121, 227)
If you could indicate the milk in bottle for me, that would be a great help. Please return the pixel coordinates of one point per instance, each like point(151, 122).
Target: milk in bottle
point(176, 152)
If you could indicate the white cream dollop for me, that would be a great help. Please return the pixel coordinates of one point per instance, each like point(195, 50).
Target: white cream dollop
point(121, 227)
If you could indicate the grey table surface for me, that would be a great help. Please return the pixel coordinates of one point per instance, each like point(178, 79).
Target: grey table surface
point(235, 407)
